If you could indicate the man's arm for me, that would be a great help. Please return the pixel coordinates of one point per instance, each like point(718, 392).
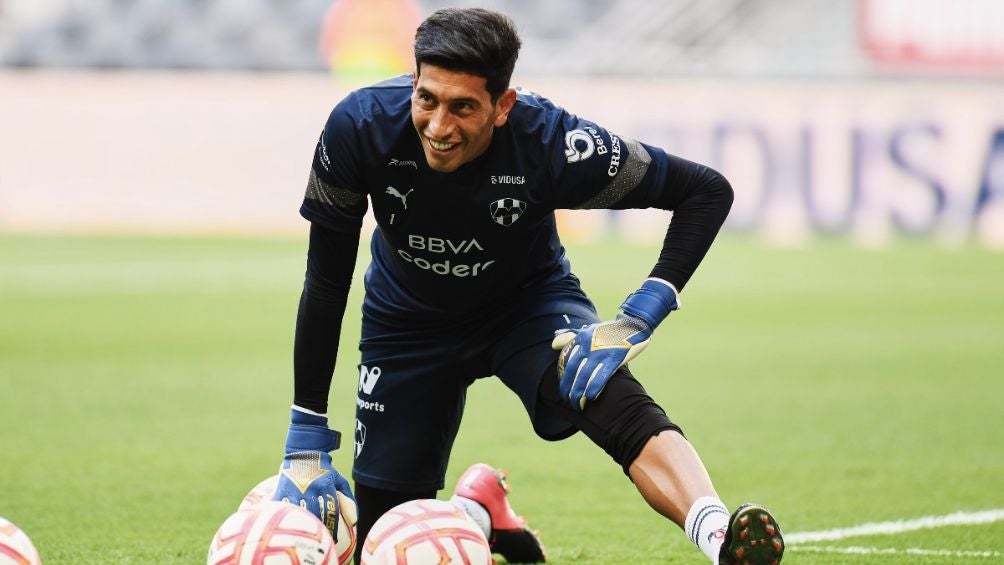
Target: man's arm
point(306, 474)
point(644, 177)
point(331, 259)
point(700, 198)
point(335, 204)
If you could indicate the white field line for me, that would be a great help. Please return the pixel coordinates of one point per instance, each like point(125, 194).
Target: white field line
point(895, 527)
point(855, 550)
point(899, 526)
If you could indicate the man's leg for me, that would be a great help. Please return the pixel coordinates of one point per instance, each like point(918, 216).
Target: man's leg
point(408, 410)
point(634, 430)
point(670, 476)
point(672, 479)
point(668, 472)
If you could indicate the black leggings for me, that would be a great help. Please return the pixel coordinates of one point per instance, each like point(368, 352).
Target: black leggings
point(620, 420)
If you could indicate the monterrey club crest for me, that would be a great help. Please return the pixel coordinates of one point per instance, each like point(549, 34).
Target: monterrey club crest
point(505, 211)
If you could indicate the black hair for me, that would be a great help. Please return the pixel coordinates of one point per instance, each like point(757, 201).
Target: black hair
point(470, 40)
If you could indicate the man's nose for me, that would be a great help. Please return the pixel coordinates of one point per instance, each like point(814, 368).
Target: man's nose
point(440, 124)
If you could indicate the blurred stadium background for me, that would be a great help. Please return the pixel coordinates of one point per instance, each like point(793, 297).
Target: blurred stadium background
point(153, 155)
point(864, 118)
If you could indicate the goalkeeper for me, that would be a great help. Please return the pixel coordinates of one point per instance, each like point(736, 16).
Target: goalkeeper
point(469, 280)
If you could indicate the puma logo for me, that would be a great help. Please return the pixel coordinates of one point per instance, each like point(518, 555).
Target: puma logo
point(397, 163)
point(404, 197)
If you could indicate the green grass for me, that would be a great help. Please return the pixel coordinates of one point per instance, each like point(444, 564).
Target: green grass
point(145, 385)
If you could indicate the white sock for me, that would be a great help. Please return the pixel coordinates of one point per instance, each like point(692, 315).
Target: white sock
point(705, 526)
point(476, 512)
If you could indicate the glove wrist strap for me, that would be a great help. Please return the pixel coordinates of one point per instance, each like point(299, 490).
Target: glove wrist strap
point(652, 302)
point(309, 432)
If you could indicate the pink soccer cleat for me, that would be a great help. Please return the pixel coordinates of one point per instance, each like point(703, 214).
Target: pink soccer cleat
point(510, 535)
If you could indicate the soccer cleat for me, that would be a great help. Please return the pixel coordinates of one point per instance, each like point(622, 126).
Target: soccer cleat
point(510, 535)
point(752, 538)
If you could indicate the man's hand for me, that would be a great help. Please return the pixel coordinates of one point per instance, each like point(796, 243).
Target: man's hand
point(591, 355)
point(306, 476)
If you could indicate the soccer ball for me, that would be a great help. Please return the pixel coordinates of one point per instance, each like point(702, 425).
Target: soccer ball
point(15, 547)
point(423, 532)
point(345, 543)
point(261, 492)
point(272, 533)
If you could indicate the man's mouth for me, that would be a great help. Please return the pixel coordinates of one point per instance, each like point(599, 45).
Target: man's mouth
point(439, 146)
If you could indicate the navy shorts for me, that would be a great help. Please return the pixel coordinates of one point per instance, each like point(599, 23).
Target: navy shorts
point(413, 382)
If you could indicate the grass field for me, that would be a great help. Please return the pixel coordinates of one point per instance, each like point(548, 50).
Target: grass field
point(146, 384)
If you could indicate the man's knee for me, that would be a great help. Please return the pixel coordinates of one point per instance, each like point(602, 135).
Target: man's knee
point(621, 420)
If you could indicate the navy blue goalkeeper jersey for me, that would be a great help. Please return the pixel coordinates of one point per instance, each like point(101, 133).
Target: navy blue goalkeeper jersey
point(448, 243)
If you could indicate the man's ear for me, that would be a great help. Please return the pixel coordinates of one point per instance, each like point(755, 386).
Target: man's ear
point(503, 106)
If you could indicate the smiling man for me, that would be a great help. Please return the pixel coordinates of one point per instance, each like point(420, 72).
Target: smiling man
point(469, 280)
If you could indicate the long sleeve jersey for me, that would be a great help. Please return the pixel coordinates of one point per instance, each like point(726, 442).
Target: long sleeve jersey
point(453, 245)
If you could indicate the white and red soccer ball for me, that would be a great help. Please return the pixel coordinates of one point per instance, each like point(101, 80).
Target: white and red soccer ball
point(261, 492)
point(272, 532)
point(423, 532)
point(298, 535)
point(15, 547)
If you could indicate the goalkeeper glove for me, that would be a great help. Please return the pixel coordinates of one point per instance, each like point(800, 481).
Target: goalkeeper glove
point(306, 476)
point(590, 355)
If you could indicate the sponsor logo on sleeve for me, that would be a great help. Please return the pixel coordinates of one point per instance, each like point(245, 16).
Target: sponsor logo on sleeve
point(323, 150)
point(580, 144)
point(615, 156)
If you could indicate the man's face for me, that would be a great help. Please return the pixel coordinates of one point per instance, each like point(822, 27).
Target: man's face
point(454, 115)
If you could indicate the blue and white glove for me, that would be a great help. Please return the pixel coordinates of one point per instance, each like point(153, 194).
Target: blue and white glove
point(590, 355)
point(306, 476)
